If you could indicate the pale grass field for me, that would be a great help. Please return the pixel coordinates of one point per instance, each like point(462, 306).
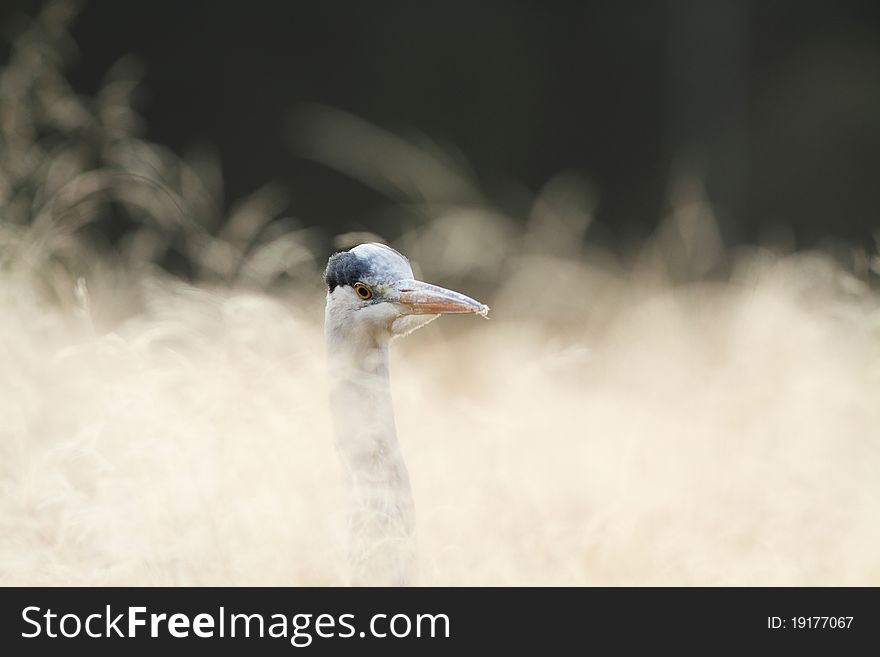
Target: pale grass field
point(711, 434)
point(619, 420)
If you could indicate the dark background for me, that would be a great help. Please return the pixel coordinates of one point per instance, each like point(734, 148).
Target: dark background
point(776, 103)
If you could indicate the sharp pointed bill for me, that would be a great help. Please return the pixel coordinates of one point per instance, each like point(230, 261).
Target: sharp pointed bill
point(419, 298)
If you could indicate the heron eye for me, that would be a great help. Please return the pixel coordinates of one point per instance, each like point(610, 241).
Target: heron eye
point(363, 291)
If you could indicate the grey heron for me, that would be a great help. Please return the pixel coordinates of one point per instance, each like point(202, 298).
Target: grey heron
point(372, 298)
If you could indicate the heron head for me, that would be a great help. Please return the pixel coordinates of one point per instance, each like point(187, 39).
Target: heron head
point(371, 288)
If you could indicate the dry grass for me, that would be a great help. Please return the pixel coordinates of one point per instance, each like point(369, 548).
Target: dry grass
point(618, 421)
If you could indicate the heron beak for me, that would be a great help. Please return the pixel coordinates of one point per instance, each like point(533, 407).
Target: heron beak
point(425, 299)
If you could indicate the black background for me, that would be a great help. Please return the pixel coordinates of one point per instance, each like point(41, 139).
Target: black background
point(777, 103)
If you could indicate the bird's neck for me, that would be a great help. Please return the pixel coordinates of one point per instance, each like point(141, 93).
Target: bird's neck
point(360, 392)
point(382, 518)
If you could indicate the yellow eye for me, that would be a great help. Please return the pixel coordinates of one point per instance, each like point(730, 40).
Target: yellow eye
point(362, 291)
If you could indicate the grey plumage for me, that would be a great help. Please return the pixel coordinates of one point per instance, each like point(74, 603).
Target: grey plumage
point(359, 327)
point(347, 267)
